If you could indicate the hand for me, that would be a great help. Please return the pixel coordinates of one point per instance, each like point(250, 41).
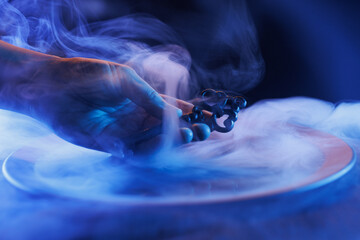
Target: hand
point(100, 104)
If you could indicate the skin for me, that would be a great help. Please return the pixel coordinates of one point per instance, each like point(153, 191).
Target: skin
point(89, 102)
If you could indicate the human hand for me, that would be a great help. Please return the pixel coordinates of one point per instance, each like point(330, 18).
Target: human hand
point(100, 104)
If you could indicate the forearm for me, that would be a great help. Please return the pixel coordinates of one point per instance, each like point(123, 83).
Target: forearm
point(18, 67)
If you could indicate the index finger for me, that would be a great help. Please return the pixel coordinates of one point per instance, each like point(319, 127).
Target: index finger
point(143, 95)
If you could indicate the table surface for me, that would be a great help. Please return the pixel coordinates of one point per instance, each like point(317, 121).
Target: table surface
point(328, 212)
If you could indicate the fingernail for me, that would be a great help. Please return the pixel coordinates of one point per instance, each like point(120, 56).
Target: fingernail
point(172, 108)
point(186, 134)
point(179, 112)
point(202, 131)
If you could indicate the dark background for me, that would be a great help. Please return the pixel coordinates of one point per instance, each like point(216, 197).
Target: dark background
point(310, 47)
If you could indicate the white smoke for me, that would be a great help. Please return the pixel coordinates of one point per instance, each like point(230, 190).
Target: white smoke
point(263, 151)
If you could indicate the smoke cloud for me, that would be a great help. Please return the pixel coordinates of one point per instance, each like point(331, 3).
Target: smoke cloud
point(264, 151)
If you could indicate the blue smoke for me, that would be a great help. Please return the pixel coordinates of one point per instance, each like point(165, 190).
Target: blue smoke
point(59, 28)
point(271, 156)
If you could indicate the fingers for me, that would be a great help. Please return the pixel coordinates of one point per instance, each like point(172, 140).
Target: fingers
point(186, 107)
point(185, 135)
point(143, 95)
point(148, 141)
point(196, 132)
point(201, 131)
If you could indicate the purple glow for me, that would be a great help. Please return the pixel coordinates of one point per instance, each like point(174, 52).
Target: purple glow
point(263, 147)
point(166, 66)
